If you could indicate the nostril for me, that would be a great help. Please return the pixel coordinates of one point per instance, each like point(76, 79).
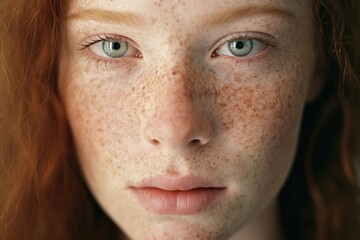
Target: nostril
point(177, 133)
point(195, 142)
point(154, 142)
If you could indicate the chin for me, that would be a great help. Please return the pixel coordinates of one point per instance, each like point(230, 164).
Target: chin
point(182, 230)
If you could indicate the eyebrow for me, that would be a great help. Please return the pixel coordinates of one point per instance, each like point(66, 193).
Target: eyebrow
point(224, 17)
point(236, 14)
point(107, 16)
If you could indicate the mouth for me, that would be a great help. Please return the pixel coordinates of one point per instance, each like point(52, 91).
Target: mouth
point(177, 196)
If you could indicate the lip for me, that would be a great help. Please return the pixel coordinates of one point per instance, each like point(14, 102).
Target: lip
point(177, 196)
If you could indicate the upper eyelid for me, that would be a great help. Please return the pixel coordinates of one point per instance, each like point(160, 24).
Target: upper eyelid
point(103, 37)
point(88, 43)
point(262, 37)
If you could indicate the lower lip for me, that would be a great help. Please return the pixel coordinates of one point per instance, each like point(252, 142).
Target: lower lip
point(177, 202)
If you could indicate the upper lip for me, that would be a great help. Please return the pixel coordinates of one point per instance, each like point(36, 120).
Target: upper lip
point(183, 183)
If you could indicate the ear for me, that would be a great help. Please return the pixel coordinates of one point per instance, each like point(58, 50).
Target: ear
point(316, 83)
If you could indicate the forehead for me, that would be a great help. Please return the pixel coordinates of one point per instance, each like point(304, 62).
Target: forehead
point(175, 9)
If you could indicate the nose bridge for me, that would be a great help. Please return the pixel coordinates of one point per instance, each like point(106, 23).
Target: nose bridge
point(177, 98)
point(175, 109)
point(177, 122)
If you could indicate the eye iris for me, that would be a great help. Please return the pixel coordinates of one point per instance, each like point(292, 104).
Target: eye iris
point(115, 49)
point(241, 47)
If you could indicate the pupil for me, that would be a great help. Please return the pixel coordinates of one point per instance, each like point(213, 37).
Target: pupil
point(239, 45)
point(116, 45)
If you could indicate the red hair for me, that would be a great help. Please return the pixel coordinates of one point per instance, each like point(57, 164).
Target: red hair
point(43, 195)
point(320, 198)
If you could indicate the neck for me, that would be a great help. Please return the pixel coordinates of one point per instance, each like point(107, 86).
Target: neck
point(264, 226)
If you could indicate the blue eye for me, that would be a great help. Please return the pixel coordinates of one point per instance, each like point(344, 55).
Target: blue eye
point(241, 47)
point(114, 48)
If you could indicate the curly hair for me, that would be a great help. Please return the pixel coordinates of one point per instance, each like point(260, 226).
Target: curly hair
point(320, 198)
point(42, 192)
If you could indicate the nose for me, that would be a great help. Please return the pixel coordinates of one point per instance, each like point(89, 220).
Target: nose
point(177, 123)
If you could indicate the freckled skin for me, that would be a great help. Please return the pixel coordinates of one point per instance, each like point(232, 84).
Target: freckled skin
point(177, 111)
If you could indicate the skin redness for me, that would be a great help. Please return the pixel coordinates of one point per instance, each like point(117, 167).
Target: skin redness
point(186, 114)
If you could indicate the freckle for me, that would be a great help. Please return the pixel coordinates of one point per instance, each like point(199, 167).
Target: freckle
point(102, 143)
point(222, 104)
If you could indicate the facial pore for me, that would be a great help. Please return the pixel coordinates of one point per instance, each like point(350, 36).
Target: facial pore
point(186, 92)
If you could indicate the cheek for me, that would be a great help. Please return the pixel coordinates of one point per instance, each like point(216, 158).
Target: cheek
point(262, 104)
point(261, 113)
point(100, 110)
point(101, 113)
point(259, 122)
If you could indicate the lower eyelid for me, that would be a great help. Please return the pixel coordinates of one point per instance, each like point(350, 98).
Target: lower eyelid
point(267, 39)
point(109, 64)
point(237, 62)
point(105, 63)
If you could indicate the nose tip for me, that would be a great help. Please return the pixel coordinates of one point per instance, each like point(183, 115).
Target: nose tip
point(178, 132)
point(178, 122)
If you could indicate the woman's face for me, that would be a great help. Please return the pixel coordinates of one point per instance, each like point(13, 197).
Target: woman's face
point(186, 114)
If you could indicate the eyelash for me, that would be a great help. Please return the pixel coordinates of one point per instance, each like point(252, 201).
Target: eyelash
point(261, 37)
point(265, 39)
point(98, 38)
point(107, 62)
